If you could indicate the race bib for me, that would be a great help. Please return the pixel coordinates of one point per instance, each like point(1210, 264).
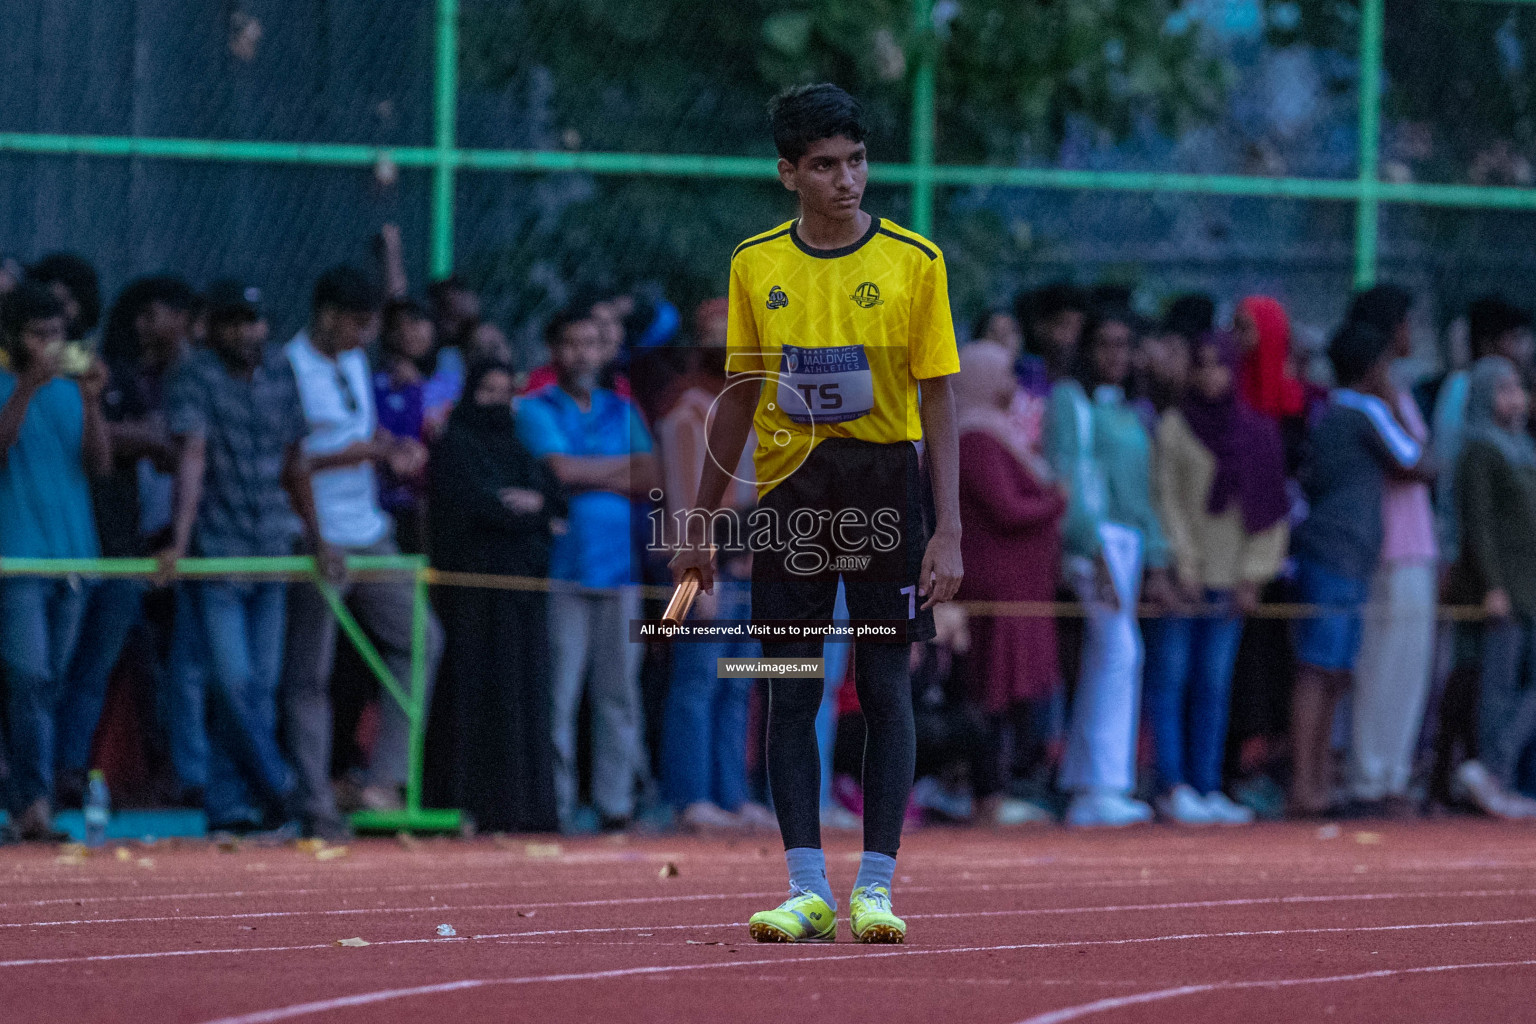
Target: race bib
point(825, 385)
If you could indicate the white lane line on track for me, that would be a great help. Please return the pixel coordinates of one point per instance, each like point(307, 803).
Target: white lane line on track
point(1137, 883)
point(545, 883)
point(1115, 883)
point(250, 893)
point(1029, 912)
point(1071, 1013)
point(386, 995)
point(513, 937)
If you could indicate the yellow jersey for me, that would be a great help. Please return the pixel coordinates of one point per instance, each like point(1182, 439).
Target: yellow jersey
point(839, 338)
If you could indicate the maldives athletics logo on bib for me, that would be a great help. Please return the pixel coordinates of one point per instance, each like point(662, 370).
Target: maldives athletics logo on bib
point(867, 295)
point(776, 298)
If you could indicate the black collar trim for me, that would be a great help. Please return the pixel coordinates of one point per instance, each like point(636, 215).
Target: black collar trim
point(832, 254)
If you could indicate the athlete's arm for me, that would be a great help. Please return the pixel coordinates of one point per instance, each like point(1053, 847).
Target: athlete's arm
point(942, 571)
point(727, 436)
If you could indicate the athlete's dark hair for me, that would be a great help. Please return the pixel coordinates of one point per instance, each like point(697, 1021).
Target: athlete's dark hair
point(25, 303)
point(347, 289)
point(806, 114)
point(75, 273)
point(1490, 318)
point(1356, 348)
point(1384, 307)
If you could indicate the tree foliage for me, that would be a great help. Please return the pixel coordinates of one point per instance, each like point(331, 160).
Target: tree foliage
point(692, 76)
point(1457, 85)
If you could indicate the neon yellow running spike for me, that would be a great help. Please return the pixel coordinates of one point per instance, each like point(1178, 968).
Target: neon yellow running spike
point(804, 917)
point(870, 911)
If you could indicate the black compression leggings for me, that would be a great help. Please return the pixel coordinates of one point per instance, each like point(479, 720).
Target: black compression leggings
point(884, 682)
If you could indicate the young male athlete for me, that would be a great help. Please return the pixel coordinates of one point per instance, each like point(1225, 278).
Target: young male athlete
point(839, 322)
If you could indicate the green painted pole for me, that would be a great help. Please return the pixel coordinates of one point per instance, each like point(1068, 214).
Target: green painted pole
point(1368, 207)
point(418, 705)
point(445, 118)
point(923, 116)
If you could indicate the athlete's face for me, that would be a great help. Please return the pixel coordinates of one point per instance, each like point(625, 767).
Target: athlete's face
point(829, 178)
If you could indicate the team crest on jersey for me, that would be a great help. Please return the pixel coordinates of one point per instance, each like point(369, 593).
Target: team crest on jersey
point(776, 298)
point(867, 295)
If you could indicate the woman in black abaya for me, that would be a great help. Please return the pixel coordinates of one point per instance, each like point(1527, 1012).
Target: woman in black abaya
point(492, 507)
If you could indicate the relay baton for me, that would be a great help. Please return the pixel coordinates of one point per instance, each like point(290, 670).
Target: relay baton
point(682, 598)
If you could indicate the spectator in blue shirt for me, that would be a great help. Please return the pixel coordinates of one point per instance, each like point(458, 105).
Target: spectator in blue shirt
point(52, 436)
point(599, 449)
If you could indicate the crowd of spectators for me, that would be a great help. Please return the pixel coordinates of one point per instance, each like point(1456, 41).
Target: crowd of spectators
point(1201, 586)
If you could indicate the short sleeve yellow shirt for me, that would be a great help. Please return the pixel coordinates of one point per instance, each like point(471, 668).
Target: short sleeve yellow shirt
point(839, 337)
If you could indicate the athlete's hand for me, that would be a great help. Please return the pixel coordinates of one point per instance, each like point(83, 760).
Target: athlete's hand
point(698, 557)
point(942, 572)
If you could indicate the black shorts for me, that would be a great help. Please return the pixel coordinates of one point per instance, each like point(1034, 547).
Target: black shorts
point(854, 510)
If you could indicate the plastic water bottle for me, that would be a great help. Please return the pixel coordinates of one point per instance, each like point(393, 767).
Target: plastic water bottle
point(98, 809)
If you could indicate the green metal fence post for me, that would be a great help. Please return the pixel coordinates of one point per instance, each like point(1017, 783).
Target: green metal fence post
point(446, 154)
point(1367, 208)
point(922, 116)
point(418, 707)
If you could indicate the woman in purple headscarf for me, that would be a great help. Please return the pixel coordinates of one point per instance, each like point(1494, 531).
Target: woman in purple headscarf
point(1222, 499)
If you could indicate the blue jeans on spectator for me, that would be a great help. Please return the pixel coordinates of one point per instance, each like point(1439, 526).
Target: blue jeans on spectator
point(39, 621)
point(112, 608)
point(705, 739)
point(243, 625)
point(1188, 694)
point(183, 704)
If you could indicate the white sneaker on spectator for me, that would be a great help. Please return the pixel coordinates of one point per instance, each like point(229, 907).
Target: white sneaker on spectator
point(931, 795)
point(1183, 806)
point(1106, 810)
point(1008, 812)
point(1484, 791)
point(704, 816)
point(757, 817)
point(1226, 811)
point(380, 798)
point(840, 818)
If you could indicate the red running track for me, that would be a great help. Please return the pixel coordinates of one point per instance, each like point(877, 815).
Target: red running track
point(1428, 922)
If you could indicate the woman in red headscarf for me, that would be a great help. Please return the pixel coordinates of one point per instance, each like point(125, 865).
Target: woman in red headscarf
point(1264, 338)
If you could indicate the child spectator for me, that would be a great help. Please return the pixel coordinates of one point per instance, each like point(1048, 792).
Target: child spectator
point(598, 448)
point(1497, 485)
point(1398, 644)
point(52, 437)
point(1221, 485)
point(1010, 513)
point(1356, 446)
point(1099, 448)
